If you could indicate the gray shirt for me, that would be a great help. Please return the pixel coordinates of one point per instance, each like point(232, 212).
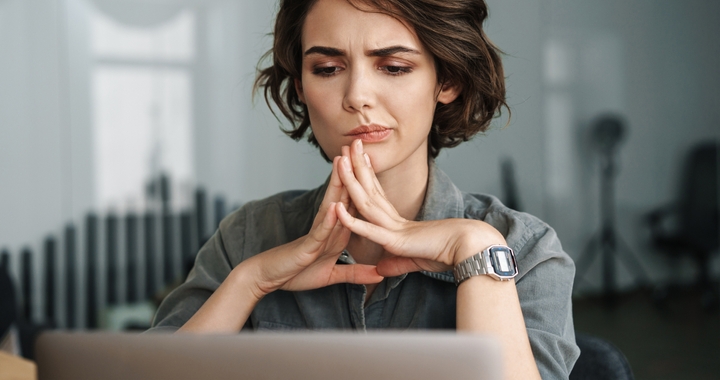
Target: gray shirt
point(412, 301)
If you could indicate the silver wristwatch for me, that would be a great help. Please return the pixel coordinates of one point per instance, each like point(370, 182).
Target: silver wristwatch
point(496, 261)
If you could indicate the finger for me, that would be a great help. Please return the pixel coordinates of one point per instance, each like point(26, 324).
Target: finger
point(333, 193)
point(335, 186)
point(352, 210)
point(337, 241)
point(361, 167)
point(374, 177)
point(339, 191)
point(354, 274)
point(396, 266)
point(370, 231)
point(319, 235)
point(345, 198)
point(368, 206)
point(365, 175)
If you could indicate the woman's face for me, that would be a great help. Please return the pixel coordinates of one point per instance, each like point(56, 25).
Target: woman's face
point(367, 76)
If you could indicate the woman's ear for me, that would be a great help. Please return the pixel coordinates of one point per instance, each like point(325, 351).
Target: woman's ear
point(448, 93)
point(299, 90)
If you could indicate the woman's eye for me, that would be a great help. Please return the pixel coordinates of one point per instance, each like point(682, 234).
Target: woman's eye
point(326, 71)
point(396, 70)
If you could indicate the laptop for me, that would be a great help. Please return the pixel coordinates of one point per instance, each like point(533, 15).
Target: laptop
point(306, 355)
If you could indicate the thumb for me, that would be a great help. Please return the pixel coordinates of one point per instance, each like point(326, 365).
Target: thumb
point(396, 266)
point(355, 274)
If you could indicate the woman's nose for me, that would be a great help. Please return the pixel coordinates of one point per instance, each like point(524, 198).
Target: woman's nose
point(358, 91)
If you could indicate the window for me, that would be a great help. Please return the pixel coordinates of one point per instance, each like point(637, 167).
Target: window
point(142, 104)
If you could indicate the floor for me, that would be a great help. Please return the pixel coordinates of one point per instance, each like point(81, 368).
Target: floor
point(672, 339)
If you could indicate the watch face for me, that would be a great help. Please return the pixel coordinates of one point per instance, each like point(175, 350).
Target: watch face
point(503, 261)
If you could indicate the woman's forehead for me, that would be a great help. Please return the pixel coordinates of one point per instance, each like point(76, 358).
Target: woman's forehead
point(340, 23)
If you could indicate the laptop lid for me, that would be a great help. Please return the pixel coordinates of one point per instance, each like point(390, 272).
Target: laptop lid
point(308, 355)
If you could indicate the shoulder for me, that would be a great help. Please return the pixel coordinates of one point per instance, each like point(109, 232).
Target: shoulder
point(266, 223)
point(533, 240)
point(274, 208)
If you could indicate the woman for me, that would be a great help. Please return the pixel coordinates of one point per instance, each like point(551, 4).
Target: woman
point(383, 86)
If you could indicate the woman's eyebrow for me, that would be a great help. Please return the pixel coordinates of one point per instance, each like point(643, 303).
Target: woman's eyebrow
point(390, 50)
point(324, 50)
point(382, 52)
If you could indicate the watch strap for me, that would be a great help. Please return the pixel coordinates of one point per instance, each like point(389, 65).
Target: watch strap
point(483, 264)
point(470, 267)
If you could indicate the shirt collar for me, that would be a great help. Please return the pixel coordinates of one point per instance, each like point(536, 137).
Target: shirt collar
point(443, 199)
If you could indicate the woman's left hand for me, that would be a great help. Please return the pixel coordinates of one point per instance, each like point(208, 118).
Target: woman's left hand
point(433, 246)
point(482, 304)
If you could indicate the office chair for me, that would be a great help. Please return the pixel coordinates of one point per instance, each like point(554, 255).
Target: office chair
point(599, 360)
point(690, 226)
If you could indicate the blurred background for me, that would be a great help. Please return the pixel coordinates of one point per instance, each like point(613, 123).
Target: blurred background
point(128, 129)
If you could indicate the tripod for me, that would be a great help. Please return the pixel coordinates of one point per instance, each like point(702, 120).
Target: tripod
point(608, 132)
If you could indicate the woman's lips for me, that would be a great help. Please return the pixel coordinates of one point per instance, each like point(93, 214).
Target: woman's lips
point(370, 133)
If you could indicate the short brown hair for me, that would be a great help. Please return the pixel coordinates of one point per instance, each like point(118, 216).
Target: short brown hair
point(451, 30)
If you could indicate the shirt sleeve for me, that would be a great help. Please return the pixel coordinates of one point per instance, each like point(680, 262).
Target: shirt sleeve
point(546, 300)
point(544, 286)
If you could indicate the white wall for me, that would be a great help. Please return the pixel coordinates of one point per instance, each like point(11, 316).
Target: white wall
point(475, 166)
point(31, 150)
point(45, 166)
point(241, 152)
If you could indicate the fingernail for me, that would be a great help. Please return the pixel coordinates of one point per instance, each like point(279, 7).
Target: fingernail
point(359, 146)
point(367, 159)
point(346, 163)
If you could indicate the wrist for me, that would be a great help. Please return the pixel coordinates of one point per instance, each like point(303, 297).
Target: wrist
point(244, 278)
point(474, 238)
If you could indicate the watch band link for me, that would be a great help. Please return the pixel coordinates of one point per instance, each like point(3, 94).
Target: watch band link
point(472, 266)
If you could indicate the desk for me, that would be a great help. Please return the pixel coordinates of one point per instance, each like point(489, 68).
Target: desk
point(16, 368)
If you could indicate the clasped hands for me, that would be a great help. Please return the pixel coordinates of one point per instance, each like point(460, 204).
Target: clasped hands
point(356, 203)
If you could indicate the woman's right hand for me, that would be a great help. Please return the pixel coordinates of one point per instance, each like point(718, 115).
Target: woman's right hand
point(310, 261)
point(306, 263)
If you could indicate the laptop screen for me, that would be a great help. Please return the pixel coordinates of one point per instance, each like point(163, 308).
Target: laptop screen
point(310, 355)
